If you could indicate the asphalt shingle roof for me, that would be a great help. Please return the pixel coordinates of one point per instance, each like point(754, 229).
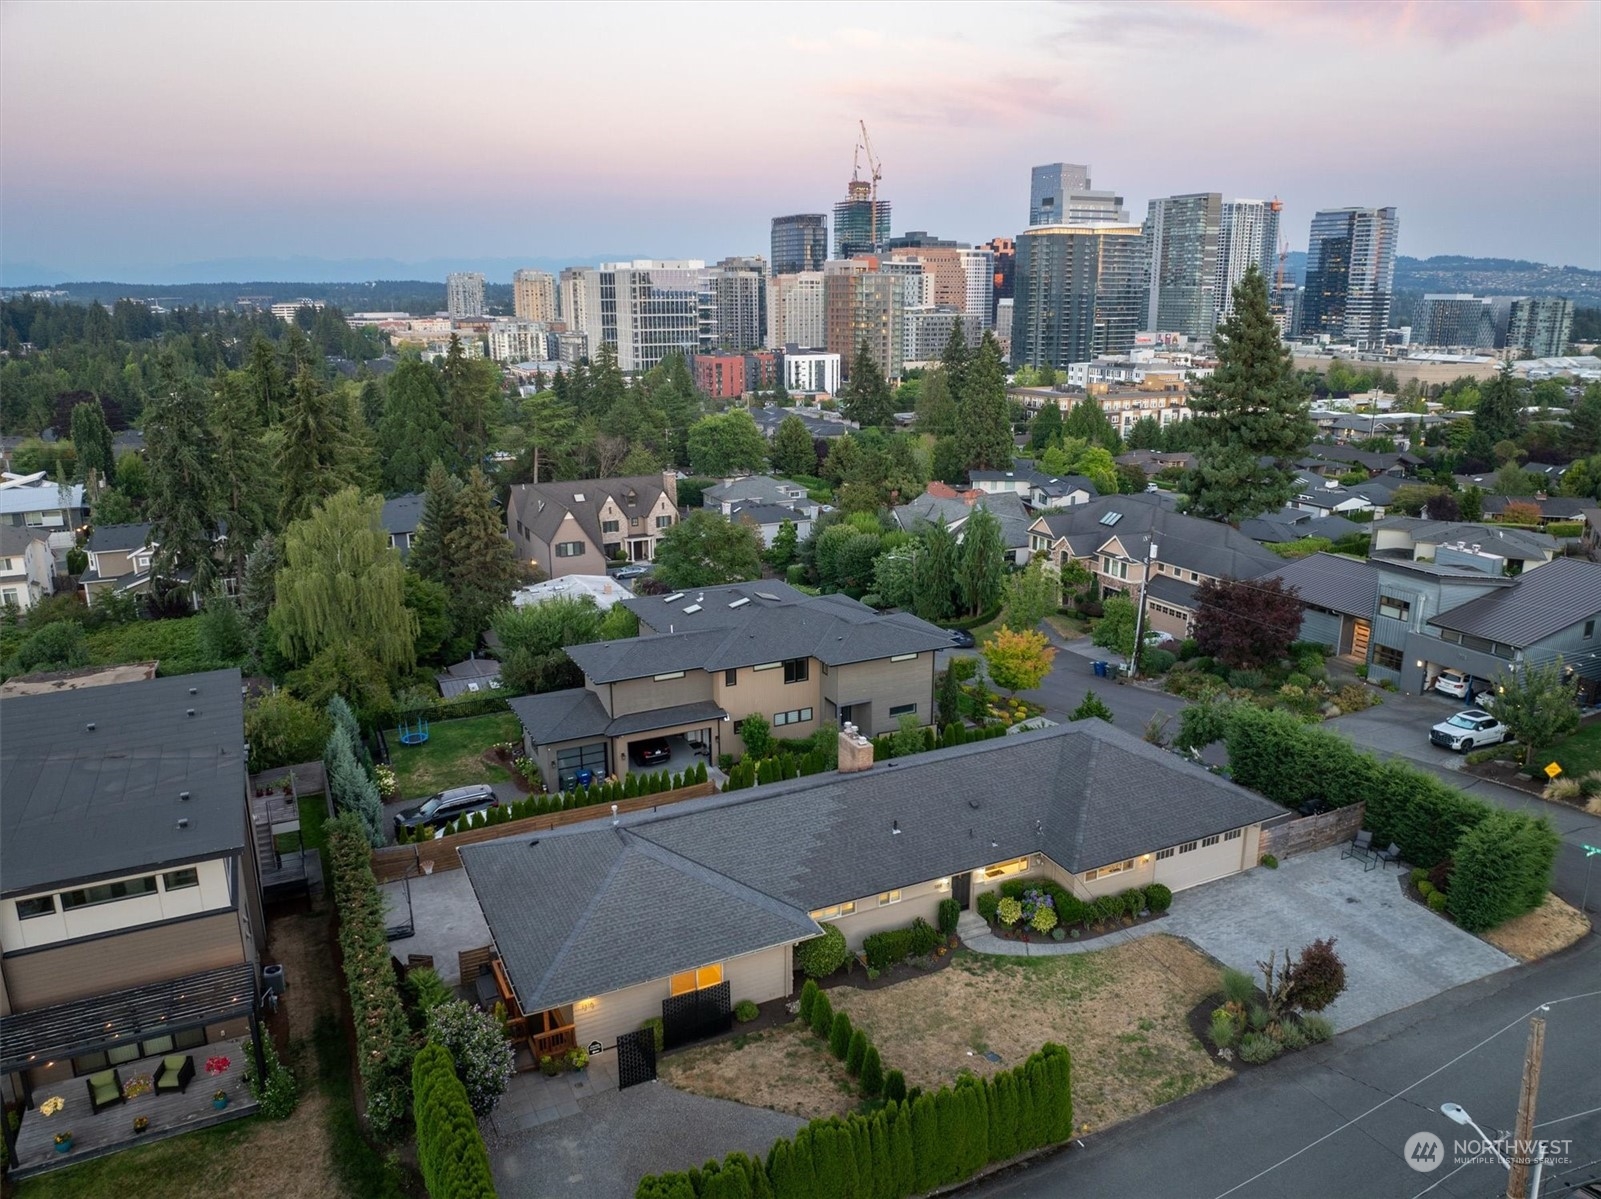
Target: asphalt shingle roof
point(662, 892)
point(15, 539)
point(1346, 585)
point(1006, 506)
point(77, 803)
point(562, 715)
point(1542, 602)
point(1184, 541)
point(542, 506)
point(114, 538)
point(1510, 543)
point(403, 513)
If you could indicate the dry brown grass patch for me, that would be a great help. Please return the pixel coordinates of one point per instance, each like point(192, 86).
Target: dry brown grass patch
point(1552, 926)
point(786, 1069)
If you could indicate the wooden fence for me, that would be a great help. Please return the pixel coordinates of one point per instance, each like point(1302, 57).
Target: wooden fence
point(1307, 833)
point(392, 862)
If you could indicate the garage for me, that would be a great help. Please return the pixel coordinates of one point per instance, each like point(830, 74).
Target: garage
point(1200, 861)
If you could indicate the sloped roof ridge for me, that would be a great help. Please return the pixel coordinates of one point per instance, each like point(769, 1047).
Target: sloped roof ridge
point(580, 919)
point(639, 842)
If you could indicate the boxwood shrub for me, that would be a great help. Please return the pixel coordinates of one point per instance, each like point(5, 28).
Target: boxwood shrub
point(1158, 897)
point(820, 956)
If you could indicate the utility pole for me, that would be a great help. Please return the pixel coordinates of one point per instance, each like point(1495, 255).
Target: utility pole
point(1524, 1153)
point(1139, 612)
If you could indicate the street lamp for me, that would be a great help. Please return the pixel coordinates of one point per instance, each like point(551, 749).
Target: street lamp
point(1457, 1114)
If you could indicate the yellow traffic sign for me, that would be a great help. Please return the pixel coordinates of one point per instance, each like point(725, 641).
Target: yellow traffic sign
point(1552, 770)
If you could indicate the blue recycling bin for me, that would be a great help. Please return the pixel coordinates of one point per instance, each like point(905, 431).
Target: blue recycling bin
point(1100, 670)
point(583, 778)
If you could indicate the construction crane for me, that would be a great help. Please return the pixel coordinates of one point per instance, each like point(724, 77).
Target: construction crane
point(876, 167)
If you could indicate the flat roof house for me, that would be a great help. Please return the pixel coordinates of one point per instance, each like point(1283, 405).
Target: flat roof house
point(580, 526)
point(682, 914)
point(706, 659)
point(130, 902)
point(37, 502)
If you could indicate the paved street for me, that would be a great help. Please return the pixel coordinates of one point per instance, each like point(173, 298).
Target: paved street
point(1332, 1122)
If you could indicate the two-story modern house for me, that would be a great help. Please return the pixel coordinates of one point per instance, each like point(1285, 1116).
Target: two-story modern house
point(130, 903)
point(1127, 540)
point(580, 526)
point(1038, 489)
point(27, 567)
point(706, 659)
point(38, 503)
point(119, 560)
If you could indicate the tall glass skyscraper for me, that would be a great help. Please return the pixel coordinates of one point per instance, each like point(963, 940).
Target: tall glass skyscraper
point(800, 243)
point(1181, 250)
point(1060, 192)
point(861, 224)
point(1250, 233)
point(1078, 292)
point(1350, 274)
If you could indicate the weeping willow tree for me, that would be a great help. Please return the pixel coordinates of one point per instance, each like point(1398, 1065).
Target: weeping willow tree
point(343, 587)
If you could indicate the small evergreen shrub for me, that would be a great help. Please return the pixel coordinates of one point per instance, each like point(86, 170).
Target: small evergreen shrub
point(1158, 897)
point(1271, 862)
point(1419, 875)
point(808, 997)
point(894, 1087)
point(820, 956)
point(839, 1036)
point(1292, 1035)
point(1133, 901)
point(872, 1072)
point(823, 1015)
point(949, 913)
point(1437, 902)
point(745, 1011)
point(856, 1052)
point(1246, 680)
point(1426, 889)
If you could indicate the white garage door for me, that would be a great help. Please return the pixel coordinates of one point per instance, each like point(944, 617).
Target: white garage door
point(1197, 862)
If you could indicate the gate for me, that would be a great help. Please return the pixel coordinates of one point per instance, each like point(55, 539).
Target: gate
point(636, 1058)
point(695, 1015)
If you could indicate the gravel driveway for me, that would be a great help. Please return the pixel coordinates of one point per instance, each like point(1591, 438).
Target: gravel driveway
point(619, 1136)
point(1396, 952)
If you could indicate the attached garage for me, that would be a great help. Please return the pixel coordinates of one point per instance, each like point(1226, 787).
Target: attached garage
point(1195, 862)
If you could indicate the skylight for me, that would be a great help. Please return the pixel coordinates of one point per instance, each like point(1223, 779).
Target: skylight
point(740, 602)
point(1111, 518)
point(677, 595)
point(691, 608)
point(578, 497)
point(767, 595)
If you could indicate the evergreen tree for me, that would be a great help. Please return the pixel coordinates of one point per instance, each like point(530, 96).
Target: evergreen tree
point(414, 432)
point(948, 465)
point(828, 1164)
point(792, 448)
point(240, 467)
point(550, 425)
point(936, 407)
point(927, 1154)
point(1003, 1118)
point(1046, 426)
point(484, 566)
point(1251, 416)
point(258, 584)
point(983, 414)
point(429, 556)
point(1499, 416)
point(317, 457)
point(903, 1162)
point(1145, 434)
point(980, 561)
point(934, 574)
point(180, 450)
point(268, 388)
point(867, 399)
point(785, 545)
point(954, 361)
point(1088, 422)
point(91, 436)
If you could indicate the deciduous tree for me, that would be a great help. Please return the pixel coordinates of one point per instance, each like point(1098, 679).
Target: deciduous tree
point(1032, 594)
point(1539, 704)
point(1017, 661)
point(1115, 629)
point(727, 444)
point(704, 550)
point(1246, 623)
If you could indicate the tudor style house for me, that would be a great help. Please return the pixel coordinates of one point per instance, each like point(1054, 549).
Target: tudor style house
point(576, 528)
point(706, 659)
point(679, 915)
point(1117, 538)
point(130, 899)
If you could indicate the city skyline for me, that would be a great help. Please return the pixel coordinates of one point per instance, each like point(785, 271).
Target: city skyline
point(332, 136)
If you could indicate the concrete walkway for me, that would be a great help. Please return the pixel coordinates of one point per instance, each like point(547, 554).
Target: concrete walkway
point(975, 934)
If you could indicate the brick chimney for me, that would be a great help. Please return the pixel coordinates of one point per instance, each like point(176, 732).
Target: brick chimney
point(855, 751)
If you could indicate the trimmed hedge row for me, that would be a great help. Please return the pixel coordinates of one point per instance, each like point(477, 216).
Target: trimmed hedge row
point(1508, 863)
point(895, 945)
point(450, 1150)
point(791, 763)
point(1069, 908)
point(445, 709)
point(905, 1148)
point(383, 1037)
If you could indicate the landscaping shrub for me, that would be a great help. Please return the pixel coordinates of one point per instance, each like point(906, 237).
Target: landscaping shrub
point(1503, 869)
point(820, 956)
point(483, 1057)
point(1440, 875)
point(894, 1086)
point(427, 990)
point(1157, 661)
point(1292, 1035)
point(1257, 1048)
point(745, 1011)
point(1009, 912)
point(823, 1015)
point(1133, 901)
point(1317, 1028)
point(1224, 1030)
point(1271, 862)
point(949, 913)
point(872, 1074)
point(1158, 897)
point(1238, 986)
point(1437, 902)
point(1426, 888)
point(839, 1036)
point(1246, 680)
point(450, 1151)
point(280, 1093)
point(987, 904)
point(1419, 873)
point(1318, 978)
point(808, 997)
point(657, 1030)
point(1105, 909)
point(855, 1052)
point(887, 948)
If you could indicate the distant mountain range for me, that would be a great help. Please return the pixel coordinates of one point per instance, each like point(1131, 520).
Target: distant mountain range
point(1499, 277)
point(295, 270)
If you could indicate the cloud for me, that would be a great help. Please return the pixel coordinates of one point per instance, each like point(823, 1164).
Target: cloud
point(1444, 22)
point(971, 103)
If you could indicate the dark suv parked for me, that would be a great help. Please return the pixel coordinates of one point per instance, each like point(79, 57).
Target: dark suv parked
point(446, 806)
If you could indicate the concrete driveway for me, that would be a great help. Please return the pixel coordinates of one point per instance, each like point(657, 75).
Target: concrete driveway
point(1396, 952)
point(1400, 727)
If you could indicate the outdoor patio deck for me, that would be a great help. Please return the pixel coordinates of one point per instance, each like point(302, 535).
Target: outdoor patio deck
point(98, 1134)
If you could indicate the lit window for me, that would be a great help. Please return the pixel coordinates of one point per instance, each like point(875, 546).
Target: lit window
point(1115, 868)
point(885, 898)
point(671, 674)
point(1002, 869)
point(696, 980)
point(834, 911)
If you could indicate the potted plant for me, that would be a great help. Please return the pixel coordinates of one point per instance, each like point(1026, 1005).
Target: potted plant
point(577, 1057)
point(217, 1067)
point(140, 1123)
point(549, 1066)
point(64, 1141)
point(219, 1100)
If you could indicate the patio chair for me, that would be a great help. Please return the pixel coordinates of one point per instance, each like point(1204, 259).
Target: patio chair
point(105, 1090)
point(176, 1073)
point(1361, 846)
point(1393, 854)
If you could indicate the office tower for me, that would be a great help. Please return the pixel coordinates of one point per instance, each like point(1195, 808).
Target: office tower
point(1181, 253)
point(795, 312)
point(646, 309)
point(917, 282)
point(740, 292)
point(862, 303)
point(1003, 326)
point(1249, 233)
point(1540, 328)
point(1061, 192)
point(1078, 293)
point(1005, 251)
point(1454, 320)
point(1350, 275)
point(533, 296)
point(978, 268)
point(861, 223)
point(928, 330)
point(919, 239)
point(947, 278)
point(464, 295)
point(800, 243)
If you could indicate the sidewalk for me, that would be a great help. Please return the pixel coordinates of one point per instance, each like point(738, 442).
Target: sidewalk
point(975, 934)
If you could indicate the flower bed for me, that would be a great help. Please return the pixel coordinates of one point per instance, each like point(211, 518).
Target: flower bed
point(1038, 908)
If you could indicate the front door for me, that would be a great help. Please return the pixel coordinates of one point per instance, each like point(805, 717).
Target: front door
point(1359, 639)
point(962, 889)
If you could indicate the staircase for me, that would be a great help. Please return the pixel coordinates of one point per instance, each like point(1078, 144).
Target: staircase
point(970, 925)
point(266, 847)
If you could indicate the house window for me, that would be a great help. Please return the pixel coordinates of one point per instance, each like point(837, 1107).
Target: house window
point(178, 880)
point(794, 716)
point(127, 888)
point(1233, 834)
point(1395, 609)
point(671, 674)
point(1114, 567)
point(1589, 629)
point(697, 980)
point(1195, 576)
point(903, 710)
point(569, 549)
point(1163, 854)
point(768, 666)
point(611, 526)
point(633, 522)
point(904, 658)
point(795, 670)
point(7, 565)
point(885, 898)
point(1387, 656)
point(40, 905)
point(1188, 846)
point(664, 522)
point(1212, 840)
point(1115, 868)
point(834, 911)
point(1002, 869)
point(730, 678)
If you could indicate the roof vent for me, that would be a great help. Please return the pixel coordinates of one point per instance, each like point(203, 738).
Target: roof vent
point(973, 803)
point(183, 796)
point(533, 843)
point(677, 595)
point(614, 814)
point(194, 691)
point(740, 602)
point(90, 727)
point(183, 822)
point(190, 712)
point(894, 828)
point(691, 608)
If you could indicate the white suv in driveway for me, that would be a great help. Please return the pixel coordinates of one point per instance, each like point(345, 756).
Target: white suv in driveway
point(1452, 682)
point(1469, 730)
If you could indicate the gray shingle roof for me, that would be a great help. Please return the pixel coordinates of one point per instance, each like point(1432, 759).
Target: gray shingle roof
point(758, 488)
point(114, 538)
point(562, 715)
point(1184, 541)
point(1544, 601)
point(1345, 585)
point(748, 512)
point(664, 718)
point(78, 804)
point(402, 514)
point(670, 891)
point(1007, 507)
point(1172, 591)
point(561, 498)
point(15, 539)
point(1510, 543)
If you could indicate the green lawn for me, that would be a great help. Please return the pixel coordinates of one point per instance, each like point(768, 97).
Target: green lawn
point(149, 1169)
point(1579, 754)
point(453, 754)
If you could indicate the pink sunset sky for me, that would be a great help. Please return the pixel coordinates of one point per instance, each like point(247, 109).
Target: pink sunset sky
point(138, 136)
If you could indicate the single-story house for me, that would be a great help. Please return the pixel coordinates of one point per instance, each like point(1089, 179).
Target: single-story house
point(472, 675)
point(700, 907)
point(769, 519)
